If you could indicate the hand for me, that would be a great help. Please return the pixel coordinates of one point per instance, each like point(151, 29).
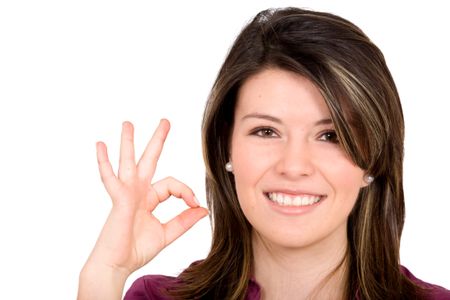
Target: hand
point(132, 235)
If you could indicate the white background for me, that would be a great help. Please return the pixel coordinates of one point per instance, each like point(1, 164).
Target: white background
point(72, 71)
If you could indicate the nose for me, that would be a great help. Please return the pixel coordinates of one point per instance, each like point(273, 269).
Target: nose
point(295, 160)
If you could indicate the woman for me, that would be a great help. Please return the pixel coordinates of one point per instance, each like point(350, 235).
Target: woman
point(303, 144)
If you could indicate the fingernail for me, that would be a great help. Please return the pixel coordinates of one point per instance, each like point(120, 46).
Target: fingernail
point(196, 201)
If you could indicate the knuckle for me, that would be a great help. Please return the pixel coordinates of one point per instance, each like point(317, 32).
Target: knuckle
point(171, 178)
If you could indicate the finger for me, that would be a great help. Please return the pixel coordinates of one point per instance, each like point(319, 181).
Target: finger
point(148, 161)
point(183, 222)
point(106, 172)
point(127, 164)
point(172, 187)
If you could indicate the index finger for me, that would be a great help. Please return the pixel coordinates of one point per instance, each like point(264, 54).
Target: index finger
point(147, 163)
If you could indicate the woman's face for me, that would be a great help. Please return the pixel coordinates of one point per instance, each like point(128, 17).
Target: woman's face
point(295, 184)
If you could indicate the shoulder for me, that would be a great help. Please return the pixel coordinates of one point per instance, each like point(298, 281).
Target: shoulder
point(433, 292)
point(150, 287)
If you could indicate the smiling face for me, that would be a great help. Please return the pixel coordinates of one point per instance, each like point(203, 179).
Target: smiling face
point(295, 184)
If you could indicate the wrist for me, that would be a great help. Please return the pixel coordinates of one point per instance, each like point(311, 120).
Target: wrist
point(101, 282)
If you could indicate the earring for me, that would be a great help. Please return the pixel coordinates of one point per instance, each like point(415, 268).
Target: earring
point(368, 178)
point(229, 166)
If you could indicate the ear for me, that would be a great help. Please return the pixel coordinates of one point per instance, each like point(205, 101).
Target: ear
point(364, 183)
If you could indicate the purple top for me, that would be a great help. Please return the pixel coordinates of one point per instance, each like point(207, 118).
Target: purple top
point(149, 287)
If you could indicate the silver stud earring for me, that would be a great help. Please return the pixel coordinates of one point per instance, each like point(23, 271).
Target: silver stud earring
point(229, 166)
point(368, 178)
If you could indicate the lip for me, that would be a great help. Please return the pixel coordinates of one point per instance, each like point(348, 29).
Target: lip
point(294, 192)
point(293, 210)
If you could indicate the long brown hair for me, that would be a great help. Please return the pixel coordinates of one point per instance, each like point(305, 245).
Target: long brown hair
point(351, 73)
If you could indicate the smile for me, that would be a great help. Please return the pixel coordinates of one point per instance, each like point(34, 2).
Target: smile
point(293, 200)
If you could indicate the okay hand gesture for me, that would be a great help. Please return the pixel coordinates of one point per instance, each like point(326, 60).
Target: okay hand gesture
point(132, 235)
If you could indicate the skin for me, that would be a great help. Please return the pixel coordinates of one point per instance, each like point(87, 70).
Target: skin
point(132, 236)
point(283, 141)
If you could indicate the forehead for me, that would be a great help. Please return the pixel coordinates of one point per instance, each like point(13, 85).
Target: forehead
point(281, 93)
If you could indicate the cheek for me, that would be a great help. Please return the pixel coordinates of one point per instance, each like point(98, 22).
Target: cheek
point(250, 163)
point(246, 159)
point(344, 177)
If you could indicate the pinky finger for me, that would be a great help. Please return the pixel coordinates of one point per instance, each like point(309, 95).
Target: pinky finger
point(106, 172)
point(183, 222)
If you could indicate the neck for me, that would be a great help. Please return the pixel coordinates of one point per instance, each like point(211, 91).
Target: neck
point(317, 271)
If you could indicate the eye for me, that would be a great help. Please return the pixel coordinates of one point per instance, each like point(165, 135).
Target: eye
point(329, 136)
point(265, 132)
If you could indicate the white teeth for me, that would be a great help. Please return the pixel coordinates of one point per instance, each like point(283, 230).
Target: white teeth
point(286, 200)
point(278, 198)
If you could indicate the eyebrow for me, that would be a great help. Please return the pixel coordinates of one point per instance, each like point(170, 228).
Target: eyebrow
point(262, 116)
point(277, 120)
point(323, 122)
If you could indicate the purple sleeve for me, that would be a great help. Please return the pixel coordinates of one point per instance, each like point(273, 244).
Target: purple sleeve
point(150, 287)
point(153, 287)
point(434, 292)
